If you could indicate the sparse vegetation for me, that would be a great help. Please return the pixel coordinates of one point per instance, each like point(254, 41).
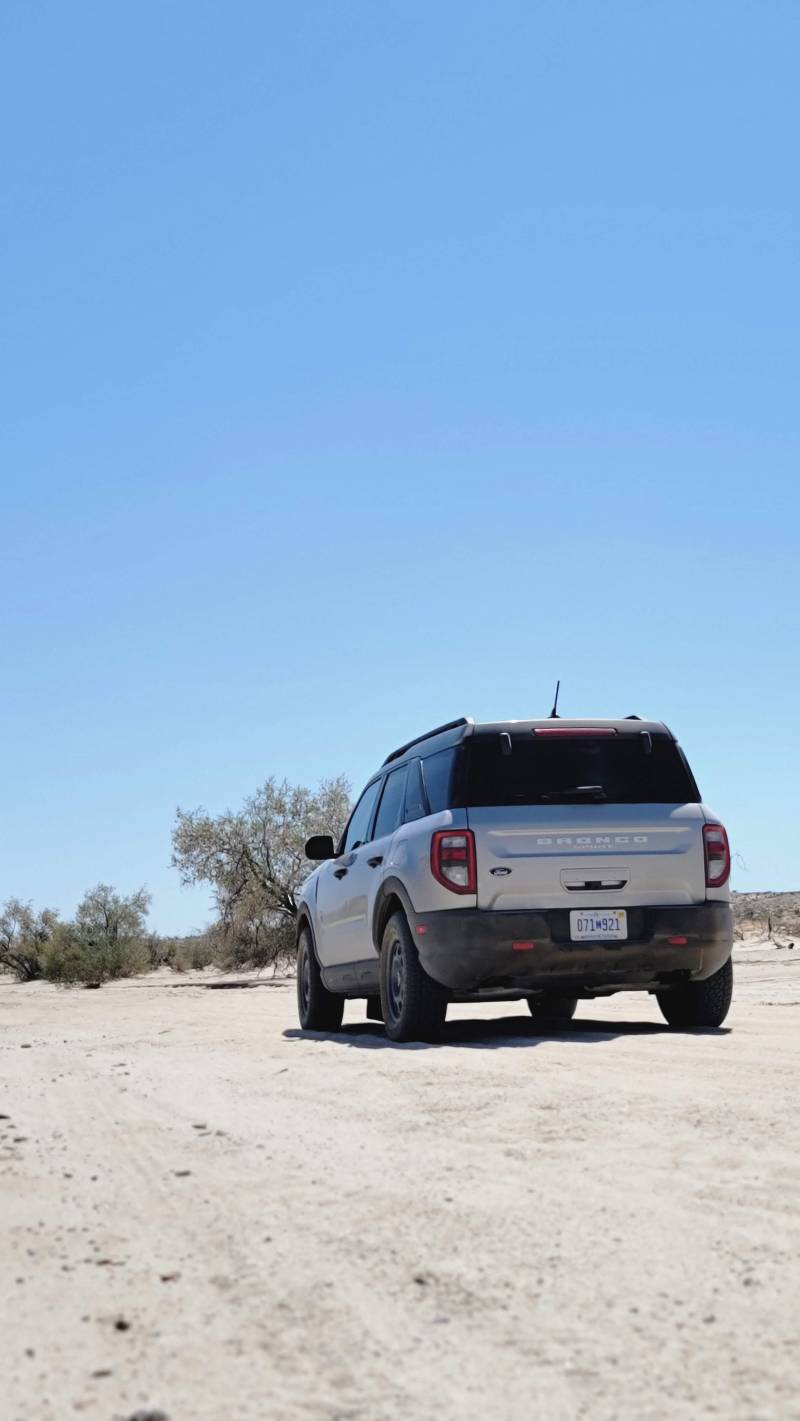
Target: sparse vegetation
point(253, 860)
point(771, 916)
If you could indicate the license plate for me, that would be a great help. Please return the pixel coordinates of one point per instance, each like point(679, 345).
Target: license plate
point(608, 926)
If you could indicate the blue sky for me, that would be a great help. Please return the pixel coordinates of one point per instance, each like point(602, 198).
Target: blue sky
point(366, 365)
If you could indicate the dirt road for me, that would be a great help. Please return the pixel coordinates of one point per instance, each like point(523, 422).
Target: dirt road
point(208, 1215)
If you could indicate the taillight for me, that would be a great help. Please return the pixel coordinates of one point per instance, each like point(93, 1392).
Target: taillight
point(718, 855)
point(453, 859)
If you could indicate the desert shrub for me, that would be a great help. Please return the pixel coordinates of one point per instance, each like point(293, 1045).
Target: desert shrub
point(107, 940)
point(266, 942)
point(71, 959)
point(183, 954)
point(24, 938)
point(160, 951)
point(201, 953)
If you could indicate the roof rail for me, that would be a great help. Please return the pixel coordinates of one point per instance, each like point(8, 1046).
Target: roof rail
point(437, 730)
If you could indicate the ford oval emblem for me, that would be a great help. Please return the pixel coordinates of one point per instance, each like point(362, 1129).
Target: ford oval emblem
point(500, 872)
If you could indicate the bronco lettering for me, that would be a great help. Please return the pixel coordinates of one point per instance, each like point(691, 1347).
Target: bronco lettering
point(582, 841)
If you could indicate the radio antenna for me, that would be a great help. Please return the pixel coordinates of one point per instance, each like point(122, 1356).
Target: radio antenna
point(554, 712)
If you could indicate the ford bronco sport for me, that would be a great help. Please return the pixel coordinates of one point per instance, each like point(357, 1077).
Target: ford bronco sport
point(552, 860)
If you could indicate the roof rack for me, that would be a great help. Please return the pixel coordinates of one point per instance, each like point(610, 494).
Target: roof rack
point(438, 730)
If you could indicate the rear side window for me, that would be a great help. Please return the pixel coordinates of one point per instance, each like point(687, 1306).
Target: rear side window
point(390, 812)
point(437, 771)
point(416, 808)
point(616, 770)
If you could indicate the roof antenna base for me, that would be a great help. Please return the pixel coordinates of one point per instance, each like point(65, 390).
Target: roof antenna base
point(554, 712)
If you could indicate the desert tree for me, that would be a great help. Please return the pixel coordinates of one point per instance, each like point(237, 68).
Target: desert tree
point(24, 935)
point(105, 917)
point(253, 859)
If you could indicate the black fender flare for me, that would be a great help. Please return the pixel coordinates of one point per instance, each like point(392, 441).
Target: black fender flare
point(390, 888)
point(304, 921)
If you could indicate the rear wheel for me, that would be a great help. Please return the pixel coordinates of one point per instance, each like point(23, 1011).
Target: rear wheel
point(413, 1005)
point(552, 1006)
point(699, 1003)
point(317, 1008)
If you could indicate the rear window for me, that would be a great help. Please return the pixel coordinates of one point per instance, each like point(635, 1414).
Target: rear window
point(617, 770)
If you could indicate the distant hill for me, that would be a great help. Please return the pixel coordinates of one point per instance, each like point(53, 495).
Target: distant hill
point(765, 915)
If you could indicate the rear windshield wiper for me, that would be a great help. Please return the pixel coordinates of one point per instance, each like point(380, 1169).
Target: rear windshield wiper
point(590, 792)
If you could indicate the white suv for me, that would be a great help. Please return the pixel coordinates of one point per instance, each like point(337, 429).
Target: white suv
point(547, 859)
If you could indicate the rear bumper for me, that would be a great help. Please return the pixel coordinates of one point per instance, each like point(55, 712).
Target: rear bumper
point(470, 950)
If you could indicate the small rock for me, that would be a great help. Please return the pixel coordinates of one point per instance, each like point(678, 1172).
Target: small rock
point(170, 1277)
point(122, 1325)
point(148, 1416)
point(182, 1173)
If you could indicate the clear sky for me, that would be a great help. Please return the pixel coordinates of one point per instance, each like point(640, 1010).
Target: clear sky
point(368, 364)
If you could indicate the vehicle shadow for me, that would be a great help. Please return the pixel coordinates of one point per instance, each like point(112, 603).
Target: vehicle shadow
point(505, 1031)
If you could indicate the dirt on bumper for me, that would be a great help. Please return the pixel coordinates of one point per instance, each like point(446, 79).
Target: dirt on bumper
point(470, 949)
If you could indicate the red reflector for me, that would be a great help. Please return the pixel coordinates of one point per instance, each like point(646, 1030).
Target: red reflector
point(677, 941)
point(523, 946)
point(421, 928)
point(567, 733)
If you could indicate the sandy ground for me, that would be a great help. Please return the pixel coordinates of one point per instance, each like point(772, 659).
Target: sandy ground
point(208, 1215)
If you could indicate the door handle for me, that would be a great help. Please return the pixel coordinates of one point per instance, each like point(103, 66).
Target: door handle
point(339, 872)
point(373, 863)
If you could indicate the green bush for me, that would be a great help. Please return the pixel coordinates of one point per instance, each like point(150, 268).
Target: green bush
point(108, 939)
point(71, 959)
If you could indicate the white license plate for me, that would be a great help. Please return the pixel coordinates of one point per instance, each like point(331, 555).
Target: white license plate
point(608, 926)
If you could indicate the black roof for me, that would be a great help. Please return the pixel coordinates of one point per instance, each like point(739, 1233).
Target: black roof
point(454, 731)
point(626, 725)
point(462, 721)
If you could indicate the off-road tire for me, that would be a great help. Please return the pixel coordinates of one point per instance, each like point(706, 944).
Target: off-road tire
point(317, 1008)
point(413, 1005)
point(552, 1007)
point(699, 1004)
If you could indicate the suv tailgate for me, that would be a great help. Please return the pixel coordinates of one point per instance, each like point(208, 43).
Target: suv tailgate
point(583, 816)
point(589, 855)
